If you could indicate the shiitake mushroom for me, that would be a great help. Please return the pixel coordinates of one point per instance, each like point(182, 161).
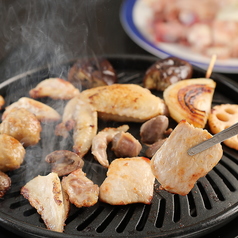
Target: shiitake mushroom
point(165, 72)
point(90, 73)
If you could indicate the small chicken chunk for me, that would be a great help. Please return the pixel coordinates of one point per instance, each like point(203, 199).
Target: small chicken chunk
point(12, 153)
point(64, 162)
point(81, 190)
point(125, 144)
point(5, 183)
point(101, 140)
point(176, 171)
point(45, 193)
point(42, 111)
point(55, 88)
point(125, 102)
point(129, 180)
point(22, 125)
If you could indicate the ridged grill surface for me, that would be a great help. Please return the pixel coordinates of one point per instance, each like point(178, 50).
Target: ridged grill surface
point(212, 202)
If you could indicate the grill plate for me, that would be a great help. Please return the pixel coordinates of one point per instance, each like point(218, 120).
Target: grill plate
point(211, 203)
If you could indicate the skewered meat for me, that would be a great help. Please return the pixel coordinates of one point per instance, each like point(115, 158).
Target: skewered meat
point(22, 125)
point(191, 100)
point(81, 190)
point(101, 140)
point(90, 73)
point(176, 171)
point(45, 193)
point(153, 130)
point(55, 88)
point(165, 72)
point(125, 102)
point(42, 111)
point(125, 144)
point(12, 153)
point(81, 116)
point(129, 180)
point(2, 102)
point(64, 162)
point(5, 183)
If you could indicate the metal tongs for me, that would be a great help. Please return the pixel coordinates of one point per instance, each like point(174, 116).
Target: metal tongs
point(217, 138)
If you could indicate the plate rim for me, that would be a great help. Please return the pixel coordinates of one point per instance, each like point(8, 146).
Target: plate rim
point(128, 24)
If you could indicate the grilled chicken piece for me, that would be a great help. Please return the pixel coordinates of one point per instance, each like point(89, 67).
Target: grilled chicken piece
point(191, 100)
point(42, 111)
point(154, 129)
point(5, 183)
point(152, 149)
point(55, 88)
point(2, 102)
point(129, 180)
point(125, 102)
point(81, 116)
point(22, 125)
point(64, 162)
point(12, 153)
point(101, 140)
point(45, 193)
point(176, 171)
point(125, 145)
point(81, 190)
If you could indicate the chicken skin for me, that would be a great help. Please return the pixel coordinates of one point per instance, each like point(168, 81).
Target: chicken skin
point(22, 125)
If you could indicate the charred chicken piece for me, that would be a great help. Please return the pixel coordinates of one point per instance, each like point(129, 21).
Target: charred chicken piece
point(64, 162)
point(129, 180)
point(5, 183)
point(101, 140)
point(176, 171)
point(12, 153)
point(125, 145)
point(166, 72)
point(22, 125)
point(90, 73)
point(82, 191)
point(55, 88)
point(42, 111)
point(154, 129)
point(45, 193)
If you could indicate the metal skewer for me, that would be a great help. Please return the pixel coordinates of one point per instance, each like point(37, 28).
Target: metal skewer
point(217, 138)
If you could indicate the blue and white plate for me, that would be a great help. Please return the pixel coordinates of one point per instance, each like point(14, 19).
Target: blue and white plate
point(134, 15)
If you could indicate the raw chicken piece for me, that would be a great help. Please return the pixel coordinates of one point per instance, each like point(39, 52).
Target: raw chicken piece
point(125, 102)
point(81, 116)
point(55, 88)
point(81, 190)
point(42, 111)
point(12, 153)
point(129, 180)
point(176, 171)
point(125, 144)
point(101, 140)
point(22, 125)
point(45, 193)
point(64, 162)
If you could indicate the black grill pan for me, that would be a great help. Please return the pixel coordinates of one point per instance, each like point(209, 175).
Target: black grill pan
point(212, 202)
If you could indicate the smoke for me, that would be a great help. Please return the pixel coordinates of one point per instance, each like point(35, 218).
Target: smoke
point(35, 33)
